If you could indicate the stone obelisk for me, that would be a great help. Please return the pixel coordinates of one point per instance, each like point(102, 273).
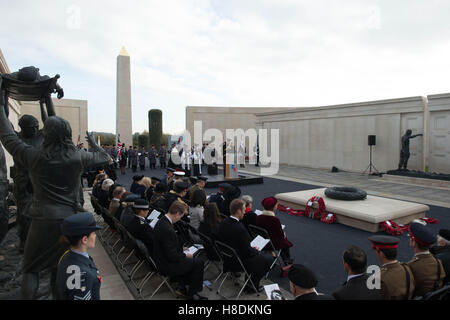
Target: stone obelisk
point(123, 99)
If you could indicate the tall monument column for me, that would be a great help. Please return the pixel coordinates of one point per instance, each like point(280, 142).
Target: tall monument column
point(123, 99)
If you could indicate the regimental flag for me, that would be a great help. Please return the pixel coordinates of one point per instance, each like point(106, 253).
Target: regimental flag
point(119, 146)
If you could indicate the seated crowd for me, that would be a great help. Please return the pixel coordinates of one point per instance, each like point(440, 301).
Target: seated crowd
point(188, 215)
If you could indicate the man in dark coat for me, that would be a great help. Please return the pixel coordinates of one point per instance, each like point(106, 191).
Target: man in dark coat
point(233, 233)
point(55, 172)
point(170, 258)
point(356, 288)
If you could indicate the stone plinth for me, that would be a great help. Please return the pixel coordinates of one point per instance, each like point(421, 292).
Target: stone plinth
point(362, 214)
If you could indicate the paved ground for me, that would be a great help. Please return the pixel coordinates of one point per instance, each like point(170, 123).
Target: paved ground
point(316, 245)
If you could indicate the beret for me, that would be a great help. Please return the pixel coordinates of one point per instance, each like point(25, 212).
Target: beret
point(170, 170)
point(181, 185)
point(79, 224)
point(269, 203)
point(202, 178)
point(302, 276)
point(138, 178)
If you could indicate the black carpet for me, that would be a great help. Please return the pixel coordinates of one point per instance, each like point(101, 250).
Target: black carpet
point(316, 245)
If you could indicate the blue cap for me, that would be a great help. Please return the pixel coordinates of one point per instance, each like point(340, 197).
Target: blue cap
point(421, 234)
point(79, 224)
point(132, 197)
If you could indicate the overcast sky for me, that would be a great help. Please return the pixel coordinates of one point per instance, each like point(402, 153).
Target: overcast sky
point(284, 53)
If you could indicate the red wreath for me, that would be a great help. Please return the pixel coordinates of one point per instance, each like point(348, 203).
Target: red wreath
point(393, 228)
point(317, 214)
point(328, 218)
point(430, 220)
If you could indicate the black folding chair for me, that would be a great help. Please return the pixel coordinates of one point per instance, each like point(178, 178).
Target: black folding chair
point(258, 231)
point(213, 254)
point(127, 244)
point(442, 294)
point(229, 255)
point(153, 271)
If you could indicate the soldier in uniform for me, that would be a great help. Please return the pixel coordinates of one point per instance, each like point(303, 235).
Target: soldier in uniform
point(162, 154)
point(169, 176)
point(149, 191)
point(141, 158)
point(397, 279)
point(132, 154)
point(428, 271)
point(128, 156)
point(177, 176)
point(178, 193)
point(77, 277)
point(219, 198)
point(200, 184)
point(152, 157)
point(139, 227)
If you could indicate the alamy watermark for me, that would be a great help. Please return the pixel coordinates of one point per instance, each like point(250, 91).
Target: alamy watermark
point(260, 146)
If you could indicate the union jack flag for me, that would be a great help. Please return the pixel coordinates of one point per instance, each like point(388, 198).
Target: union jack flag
point(119, 146)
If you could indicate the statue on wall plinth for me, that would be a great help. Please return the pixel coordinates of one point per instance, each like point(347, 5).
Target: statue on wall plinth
point(404, 153)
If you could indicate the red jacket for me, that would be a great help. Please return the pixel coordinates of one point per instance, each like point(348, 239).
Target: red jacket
point(273, 226)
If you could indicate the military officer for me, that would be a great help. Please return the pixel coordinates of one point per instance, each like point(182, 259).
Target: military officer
point(177, 176)
point(200, 184)
point(218, 198)
point(169, 175)
point(139, 226)
point(428, 270)
point(397, 280)
point(141, 158)
point(77, 277)
point(132, 156)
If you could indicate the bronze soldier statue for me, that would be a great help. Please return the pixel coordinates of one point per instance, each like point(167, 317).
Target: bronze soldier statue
point(55, 172)
point(404, 153)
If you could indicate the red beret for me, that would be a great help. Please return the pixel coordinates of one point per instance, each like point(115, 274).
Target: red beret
point(269, 203)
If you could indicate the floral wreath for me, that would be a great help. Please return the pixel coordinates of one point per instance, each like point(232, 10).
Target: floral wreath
point(319, 214)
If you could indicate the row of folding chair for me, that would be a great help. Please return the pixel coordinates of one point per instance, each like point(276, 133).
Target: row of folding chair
point(122, 247)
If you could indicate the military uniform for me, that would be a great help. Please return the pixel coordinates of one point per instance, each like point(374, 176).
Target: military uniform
point(152, 158)
point(397, 280)
point(90, 279)
point(428, 271)
point(141, 158)
point(77, 276)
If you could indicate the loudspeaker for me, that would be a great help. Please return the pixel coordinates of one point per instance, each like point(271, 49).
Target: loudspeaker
point(371, 140)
